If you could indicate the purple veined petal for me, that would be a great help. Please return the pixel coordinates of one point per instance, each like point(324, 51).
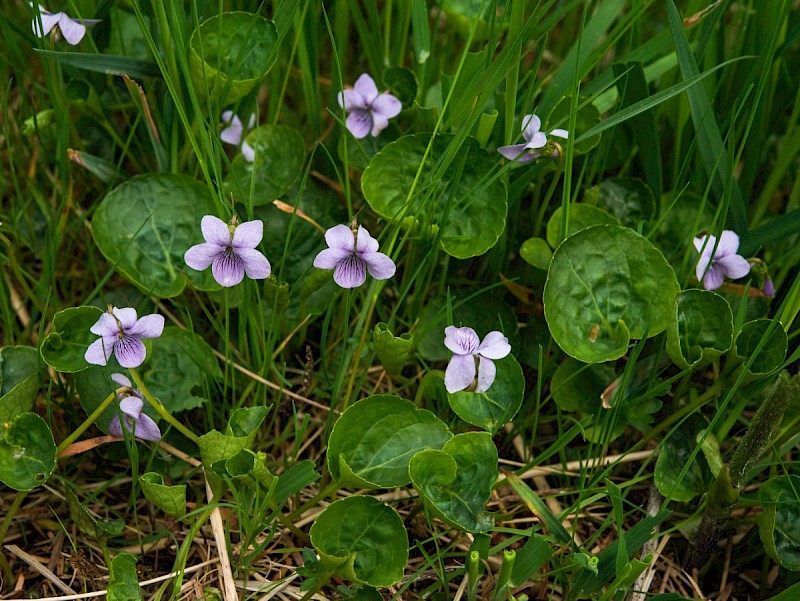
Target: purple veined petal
point(512, 152)
point(149, 326)
point(365, 244)
point(215, 231)
point(728, 244)
point(713, 278)
point(359, 123)
point(248, 152)
point(105, 326)
point(126, 317)
point(330, 258)
point(48, 22)
point(255, 264)
point(379, 123)
point(380, 266)
point(486, 374)
point(233, 133)
point(248, 234)
point(96, 354)
point(130, 351)
point(531, 124)
point(365, 86)
point(461, 341)
point(560, 133)
point(131, 406)
point(494, 346)
point(733, 266)
point(72, 30)
point(121, 380)
point(386, 105)
point(200, 256)
point(460, 373)
point(351, 272)
point(114, 427)
point(147, 429)
point(538, 140)
point(341, 237)
point(227, 268)
point(350, 99)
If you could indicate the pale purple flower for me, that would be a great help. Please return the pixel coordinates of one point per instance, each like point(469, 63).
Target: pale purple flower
point(230, 251)
point(719, 260)
point(130, 405)
point(235, 133)
point(352, 255)
point(467, 351)
point(71, 29)
point(367, 111)
point(534, 140)
point(769, 288)
point(121, 335)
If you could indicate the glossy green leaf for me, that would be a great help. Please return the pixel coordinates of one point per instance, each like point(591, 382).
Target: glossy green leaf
point(123, 581)
point(89, 524)
point(19, 381)
point(145, 225)
point(576, 386)
point(673, 455)
point(494, 408)
point(27, 452)
point(184, 362)
point(581, 216)
point(295, 479)
point(393, 351)
point(773, 350)
point(606, 285)
point(169, 499)
point(229, 54)
point(251, 469)
point(456, 482)
point(536, 252)
point(779, 523)
point(63, 348)
point(216, 446)
point(628, 199)
point(374, 439)
point(459, 201)
point(700, 328)
point(362, 540)
point(280, 154)
point(587, 117)
point(402, 83)
point(245, 421)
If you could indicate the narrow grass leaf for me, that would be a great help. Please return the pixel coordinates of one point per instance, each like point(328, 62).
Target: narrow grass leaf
point(104, 63)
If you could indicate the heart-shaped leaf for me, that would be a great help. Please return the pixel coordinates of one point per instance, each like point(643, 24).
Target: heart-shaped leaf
point(607, 284)
point(674, 453)
point(374, 439)
point(123, 581)
point(19, 381)
point(779, 523)
point(251, 469)
point(169, 499)
point(581, 216)
point(144, 227)
point(456, 482)
point(361, 539)
point(65, 345)
point(229, 54)
point(700, 328)
point(27, 453)
point(536, 252)
point(772, 352)
point(245, 421)
point(393, 351)
point(461, 199)
point(494, 408)
point(628, 199)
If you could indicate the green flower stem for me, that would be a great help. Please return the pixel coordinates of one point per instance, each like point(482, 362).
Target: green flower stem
point(160, 409)
point(504, 576)
point(473, 575)
point(8, 575)
point(88, 422)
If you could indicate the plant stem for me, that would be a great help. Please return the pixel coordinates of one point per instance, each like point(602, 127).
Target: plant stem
point(88, 422)
point(160, 409)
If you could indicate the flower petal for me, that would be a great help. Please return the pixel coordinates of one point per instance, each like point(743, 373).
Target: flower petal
point(359, 123)
point(365, 244)
point(531, 124)
point(494, 346)
point(379, 123)
point(386, 106)
point(538, 140)
point(713, 278)
point(248, 234)
point(227, 269)
point(341, 237)
point(728, 244)
point(121, 380)
point(233, 133)
point(255, 264)
point(460, 373)
point(700, 243)
point(48, 22)
point(380, 266)
point(72, 30)
point(130, 351)
point(147, 429)
point(486, 374)
point(350, 272)
point(200, 256)
point(126, 317)
point(462, 341)
point(733, 266)
point(131, 406)
point(560, 133)
point(96, 354)
point(248, 152)
point(149, 326)
point(105, 326)
point(330, 258)
point(114, 427)
point(350, 99)
point(769, 289)
point(215, 231)
point(511, 152)
point(365, 86)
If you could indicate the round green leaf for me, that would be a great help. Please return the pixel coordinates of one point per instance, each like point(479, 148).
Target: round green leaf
point(587, 117)
point(393, 351)
point(456, 482)
point(628, 199)
point(374, 439)
point(779, 523)
point(772, 352)
point(362, 540)
point(280, 154)
point(494, 408)
point(19, 381)
point(144, 227)
point(169, 499)
point(459, 200)
point(229, 54)
point(65, 345)
point(674, 453)
point(607, 284)
point(581, 216)
point(123, 581)
point(536, 252)
point(700, 328)
point(27, 453)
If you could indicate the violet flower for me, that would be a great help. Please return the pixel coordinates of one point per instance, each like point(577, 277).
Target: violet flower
point(534, 140)
point(130, 405)
point(230, 251)
point(367, 111)
point(769, 288)
point(467, 351)
point(719, 260)
point(71, 29)
point(121, 335)
point(235, 133)
point(352, 255)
